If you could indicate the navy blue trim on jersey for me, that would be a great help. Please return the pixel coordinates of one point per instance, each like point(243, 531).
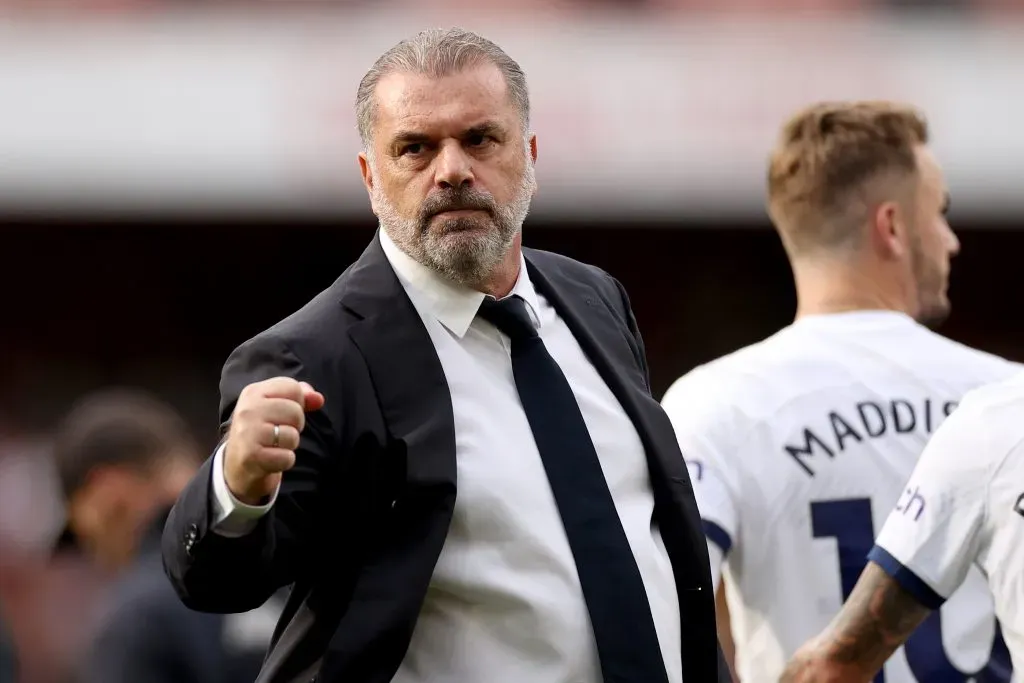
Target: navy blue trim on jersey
point(906, 578)
point(717, 535)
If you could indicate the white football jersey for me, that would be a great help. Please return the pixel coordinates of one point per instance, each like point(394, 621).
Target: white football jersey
point(798, 448)
point(964, 507)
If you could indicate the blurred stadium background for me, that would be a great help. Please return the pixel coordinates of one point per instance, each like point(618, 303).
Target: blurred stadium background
point(165, 165)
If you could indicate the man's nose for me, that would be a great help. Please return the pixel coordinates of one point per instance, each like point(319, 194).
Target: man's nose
point(953, 243)
point(453, 167)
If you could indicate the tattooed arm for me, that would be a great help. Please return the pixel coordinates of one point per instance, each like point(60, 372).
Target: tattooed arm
point(878, 617)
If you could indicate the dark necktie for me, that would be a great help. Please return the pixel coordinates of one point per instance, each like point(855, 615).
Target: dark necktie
point(627, 643)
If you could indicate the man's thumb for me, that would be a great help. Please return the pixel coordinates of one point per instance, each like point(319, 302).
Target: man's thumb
point(311, 398)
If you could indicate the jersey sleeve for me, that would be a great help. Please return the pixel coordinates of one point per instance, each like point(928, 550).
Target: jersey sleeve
point(709, 462)
point(932, 536)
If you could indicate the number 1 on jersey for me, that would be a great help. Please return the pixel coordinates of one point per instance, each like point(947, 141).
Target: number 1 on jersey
point(850, 522)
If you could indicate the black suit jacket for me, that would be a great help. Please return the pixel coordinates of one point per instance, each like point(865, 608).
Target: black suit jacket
point(361, 518)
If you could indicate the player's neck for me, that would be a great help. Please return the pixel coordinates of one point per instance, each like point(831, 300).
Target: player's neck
point(838, 287)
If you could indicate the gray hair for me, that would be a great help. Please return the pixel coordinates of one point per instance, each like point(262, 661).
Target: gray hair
point(437, 53)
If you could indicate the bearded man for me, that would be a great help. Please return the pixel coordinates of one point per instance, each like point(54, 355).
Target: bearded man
point(452, 453)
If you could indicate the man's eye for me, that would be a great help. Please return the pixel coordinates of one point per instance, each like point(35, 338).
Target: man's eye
point(476, 140)
point(414, 148)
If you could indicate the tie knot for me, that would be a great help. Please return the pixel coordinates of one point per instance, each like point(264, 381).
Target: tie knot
point(510, 316)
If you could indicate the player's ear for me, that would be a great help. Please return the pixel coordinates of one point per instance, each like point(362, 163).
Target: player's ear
point(889, 230)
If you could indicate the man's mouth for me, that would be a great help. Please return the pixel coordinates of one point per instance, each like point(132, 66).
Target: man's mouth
point(459, 212)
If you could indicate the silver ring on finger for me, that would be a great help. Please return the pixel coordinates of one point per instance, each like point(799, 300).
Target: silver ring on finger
point(277, 437)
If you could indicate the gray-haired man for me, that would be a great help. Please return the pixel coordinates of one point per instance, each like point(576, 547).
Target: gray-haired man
point(450, 357)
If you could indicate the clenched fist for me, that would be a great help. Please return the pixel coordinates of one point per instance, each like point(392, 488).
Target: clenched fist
point(264, 433)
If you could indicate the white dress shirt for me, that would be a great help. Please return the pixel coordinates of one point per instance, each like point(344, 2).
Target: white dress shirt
point(505, 604)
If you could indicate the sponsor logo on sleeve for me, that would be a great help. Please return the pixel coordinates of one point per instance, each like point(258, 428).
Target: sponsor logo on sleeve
point(911, 503)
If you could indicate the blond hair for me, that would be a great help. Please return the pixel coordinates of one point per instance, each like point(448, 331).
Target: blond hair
point(831, 162)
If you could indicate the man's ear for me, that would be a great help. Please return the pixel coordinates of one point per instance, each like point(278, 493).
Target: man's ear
point(532, 146)
point(366, 171)
point(889, 230)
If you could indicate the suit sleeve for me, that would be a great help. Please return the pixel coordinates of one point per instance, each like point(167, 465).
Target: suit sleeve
point(215, 572)
point(639, 351)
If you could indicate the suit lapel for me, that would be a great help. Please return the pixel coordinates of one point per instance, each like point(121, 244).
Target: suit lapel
point(409, 531)
point(404, 368)
point(603, 339)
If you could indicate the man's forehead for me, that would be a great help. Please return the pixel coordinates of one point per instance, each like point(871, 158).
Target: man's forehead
point(478, 91)
point(926, 159)
point(929, 167)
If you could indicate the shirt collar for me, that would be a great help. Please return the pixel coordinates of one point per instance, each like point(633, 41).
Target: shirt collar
point(453, 305)
point(857, 318)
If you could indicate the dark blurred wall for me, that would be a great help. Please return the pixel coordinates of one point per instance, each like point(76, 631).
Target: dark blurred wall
point(162, 305)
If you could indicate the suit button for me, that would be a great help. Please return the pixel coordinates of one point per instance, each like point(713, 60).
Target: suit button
point(190, 538)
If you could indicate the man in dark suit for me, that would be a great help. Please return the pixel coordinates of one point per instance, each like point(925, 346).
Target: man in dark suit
point(480, 486)
point(123, 456)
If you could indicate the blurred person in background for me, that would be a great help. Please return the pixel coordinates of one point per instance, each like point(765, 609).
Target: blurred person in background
point(485, 489)
point(800, 445)
point(48, 603)
point(964, 507)
point(123, 456)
